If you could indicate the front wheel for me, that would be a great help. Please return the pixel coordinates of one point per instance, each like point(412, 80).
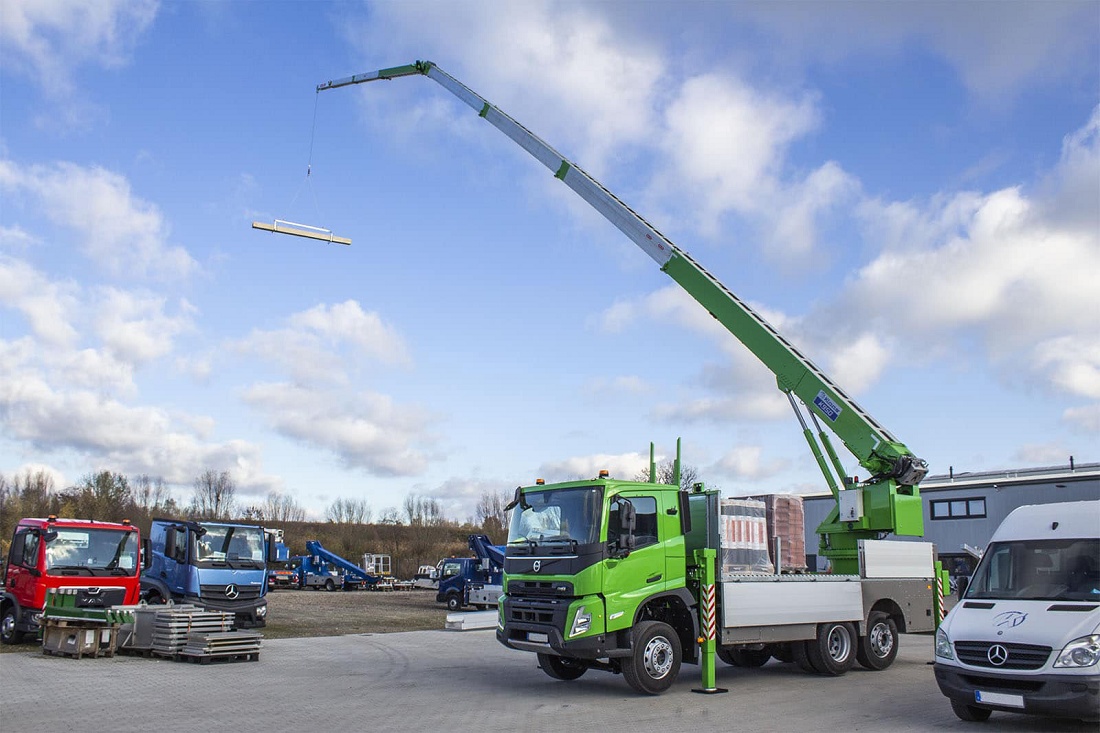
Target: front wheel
point(454, 602)
point(561, 668)
point(654, 660)
point(879, 646)
point(8, 632)
point(970, 713)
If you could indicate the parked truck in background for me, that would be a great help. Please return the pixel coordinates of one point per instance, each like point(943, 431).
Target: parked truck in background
point(101, 560)
point(632, 580)
point(472, 581)
point(325, 569)
point(220, 566)
point(1025, 635)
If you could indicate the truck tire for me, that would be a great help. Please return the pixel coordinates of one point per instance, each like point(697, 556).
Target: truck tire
point(879, 646)
point(8, 633)
point(834, 651)
point(561, 668)
point(454, 602)
point(654, 660)
point(329, 585)
point(801, 657)
point(970, 713)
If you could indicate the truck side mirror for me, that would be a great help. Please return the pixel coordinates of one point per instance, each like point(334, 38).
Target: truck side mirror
point(628, 521)
point(170, 542)
point(272, 549)
point(146, 553)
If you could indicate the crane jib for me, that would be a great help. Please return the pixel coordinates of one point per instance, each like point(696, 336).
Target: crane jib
point(869, 441)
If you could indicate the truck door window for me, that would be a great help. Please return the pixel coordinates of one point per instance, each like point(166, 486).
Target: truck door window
point(645, 528)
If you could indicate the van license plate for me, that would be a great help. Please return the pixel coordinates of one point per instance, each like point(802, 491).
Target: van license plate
point(543, 638)
point(997, 698)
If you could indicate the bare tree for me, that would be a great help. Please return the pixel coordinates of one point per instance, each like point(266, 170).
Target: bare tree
point(422, 511)
point(152, 496)
point(490, 513)
point(282, 508)
point(214, 496)
point(349, 511)
point(689, 475)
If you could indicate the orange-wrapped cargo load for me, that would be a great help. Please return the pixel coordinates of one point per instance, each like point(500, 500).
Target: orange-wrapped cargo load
point(786, 522)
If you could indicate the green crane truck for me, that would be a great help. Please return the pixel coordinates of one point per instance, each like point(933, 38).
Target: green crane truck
point(627, 577)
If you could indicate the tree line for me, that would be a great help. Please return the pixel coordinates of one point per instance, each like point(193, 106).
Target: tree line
point(418, 534)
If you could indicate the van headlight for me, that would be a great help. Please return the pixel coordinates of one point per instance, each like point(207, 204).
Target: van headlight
point(1083, 652)
point(943, 645)
point(581, 622)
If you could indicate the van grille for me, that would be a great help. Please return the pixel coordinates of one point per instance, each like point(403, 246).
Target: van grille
point(1020, 656)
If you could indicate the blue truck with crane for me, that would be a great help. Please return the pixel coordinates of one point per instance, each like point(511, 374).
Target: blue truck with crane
point(472, 581)
point(322, 569)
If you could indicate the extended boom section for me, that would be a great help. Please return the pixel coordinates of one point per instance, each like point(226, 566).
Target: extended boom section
point(889, 500)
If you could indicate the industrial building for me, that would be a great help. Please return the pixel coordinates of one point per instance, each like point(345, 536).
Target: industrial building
point(962, 510)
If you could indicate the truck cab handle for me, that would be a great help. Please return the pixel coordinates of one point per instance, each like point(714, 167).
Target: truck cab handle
point(654, 579)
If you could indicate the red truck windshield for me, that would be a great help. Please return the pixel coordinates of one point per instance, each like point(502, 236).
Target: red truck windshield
point(92, 552)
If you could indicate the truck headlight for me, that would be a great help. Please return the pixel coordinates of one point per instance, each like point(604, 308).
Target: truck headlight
point(261, 611)
point(1083, 652)
point(581, 622)
point(943, 645)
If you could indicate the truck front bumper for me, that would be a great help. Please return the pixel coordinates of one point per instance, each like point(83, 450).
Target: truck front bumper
point(250, 615)
point(1058, 696)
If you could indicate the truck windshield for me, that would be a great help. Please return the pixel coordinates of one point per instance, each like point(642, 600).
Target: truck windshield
point(92, 552)
point(1039, 570)
point(237, 547)
point(557, 515)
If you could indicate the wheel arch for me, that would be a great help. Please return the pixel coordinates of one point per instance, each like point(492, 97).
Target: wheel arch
point(890, 607)
point(677, 609)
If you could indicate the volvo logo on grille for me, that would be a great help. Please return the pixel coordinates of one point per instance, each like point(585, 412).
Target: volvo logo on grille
point(536, 566)
point(997, 655)
point(232, 591)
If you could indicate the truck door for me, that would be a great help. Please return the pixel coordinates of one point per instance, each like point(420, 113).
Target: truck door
point(631, 579)
point(23, 567)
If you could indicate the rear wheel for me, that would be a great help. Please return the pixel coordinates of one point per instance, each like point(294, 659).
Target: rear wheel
point(834, 651)
point(970, 713)
point(801, 657)
point(8, 632)
point(879, 646)
point(654, 661)
point(561, 668)
point(329, 585)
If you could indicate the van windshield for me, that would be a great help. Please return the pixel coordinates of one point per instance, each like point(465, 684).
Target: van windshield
point(1039, 570)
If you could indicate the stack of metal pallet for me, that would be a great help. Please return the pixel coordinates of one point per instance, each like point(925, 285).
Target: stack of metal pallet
point(239, 645)
point(173, 626)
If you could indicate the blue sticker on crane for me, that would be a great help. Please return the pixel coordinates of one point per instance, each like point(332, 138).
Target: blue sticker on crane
point(828, 408)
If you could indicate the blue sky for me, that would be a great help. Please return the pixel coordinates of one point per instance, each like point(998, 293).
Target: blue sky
point(908, 191)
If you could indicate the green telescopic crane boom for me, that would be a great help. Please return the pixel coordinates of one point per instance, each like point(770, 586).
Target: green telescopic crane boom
point(889, 500)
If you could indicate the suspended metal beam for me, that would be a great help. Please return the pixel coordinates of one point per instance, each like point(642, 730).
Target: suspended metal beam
point(300, 230)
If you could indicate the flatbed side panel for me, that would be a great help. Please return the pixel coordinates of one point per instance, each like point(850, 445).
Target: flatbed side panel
point(763, 604)
point(912, 595)
point(894, 559)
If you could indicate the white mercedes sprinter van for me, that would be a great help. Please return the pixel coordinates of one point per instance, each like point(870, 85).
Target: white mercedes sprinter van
point(1025, 636)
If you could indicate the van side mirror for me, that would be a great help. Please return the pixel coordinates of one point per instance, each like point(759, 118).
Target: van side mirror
point(964, 583)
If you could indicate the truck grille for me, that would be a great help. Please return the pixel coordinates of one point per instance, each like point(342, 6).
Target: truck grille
point(1019, 656)
point(99, 597)
point(218, 592)
point(558, 588)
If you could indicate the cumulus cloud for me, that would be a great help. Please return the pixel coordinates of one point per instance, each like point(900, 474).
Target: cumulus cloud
point(325, 342)
point(117, 230)
point(748, 463)
point(366, 430)
point(622, 466)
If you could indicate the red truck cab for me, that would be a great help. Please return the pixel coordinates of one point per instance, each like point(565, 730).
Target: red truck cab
point(101, 560)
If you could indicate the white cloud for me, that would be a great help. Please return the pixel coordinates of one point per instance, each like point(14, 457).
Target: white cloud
point(748, 463)
point(325, 343)
point(365, 430)
point(135, 327)
point(120, 232)
point(624, 466)
point(48, 39)
point(44, 303)
point(1086, 418)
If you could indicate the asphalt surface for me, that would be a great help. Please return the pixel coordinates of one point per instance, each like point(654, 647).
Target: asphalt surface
point(460, 681)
